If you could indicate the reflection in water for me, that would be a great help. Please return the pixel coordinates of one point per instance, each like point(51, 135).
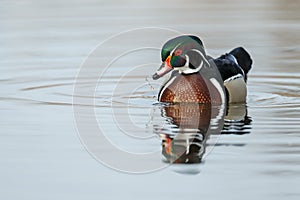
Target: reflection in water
point(189, 126)
point(237, 120)
point(191, 123)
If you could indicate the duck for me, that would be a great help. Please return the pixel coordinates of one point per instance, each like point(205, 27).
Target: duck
point(199, 78)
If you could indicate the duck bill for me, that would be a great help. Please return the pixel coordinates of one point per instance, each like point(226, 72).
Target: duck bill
point(164, 69)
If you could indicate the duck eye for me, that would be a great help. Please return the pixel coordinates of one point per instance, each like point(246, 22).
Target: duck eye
point(177, 52)
point(178, 61)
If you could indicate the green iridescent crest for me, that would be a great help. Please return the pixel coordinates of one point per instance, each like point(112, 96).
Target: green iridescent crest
point(178, 47)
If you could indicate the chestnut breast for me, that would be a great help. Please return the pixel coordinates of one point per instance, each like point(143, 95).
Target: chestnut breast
point(189, 88)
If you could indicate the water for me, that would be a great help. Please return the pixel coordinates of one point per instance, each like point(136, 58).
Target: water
point(45, 43)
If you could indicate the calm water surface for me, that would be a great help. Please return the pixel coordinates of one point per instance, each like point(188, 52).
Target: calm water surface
point(43, 46)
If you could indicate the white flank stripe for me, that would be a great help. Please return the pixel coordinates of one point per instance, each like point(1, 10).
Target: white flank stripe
point(219, 88)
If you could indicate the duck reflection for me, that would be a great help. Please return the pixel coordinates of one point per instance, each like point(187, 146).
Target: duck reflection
point(189, 129)
point(186, 131)
point(190, 126)
point(237, 120)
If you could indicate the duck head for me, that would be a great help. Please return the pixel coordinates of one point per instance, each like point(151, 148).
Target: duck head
point(184, 54)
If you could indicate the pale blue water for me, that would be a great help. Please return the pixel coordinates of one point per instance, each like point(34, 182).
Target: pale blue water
point(44, 44)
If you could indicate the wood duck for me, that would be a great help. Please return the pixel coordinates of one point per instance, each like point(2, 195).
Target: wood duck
point(185, 56)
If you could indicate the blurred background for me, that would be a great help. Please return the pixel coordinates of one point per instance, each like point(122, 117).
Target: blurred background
point(44, 43)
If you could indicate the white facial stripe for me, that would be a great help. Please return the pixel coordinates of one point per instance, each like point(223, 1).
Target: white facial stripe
point(174, 49)
point(187, 70)
point(185, 67)
point(202, 56)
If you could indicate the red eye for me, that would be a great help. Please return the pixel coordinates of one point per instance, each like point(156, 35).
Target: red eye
point(178, 52)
